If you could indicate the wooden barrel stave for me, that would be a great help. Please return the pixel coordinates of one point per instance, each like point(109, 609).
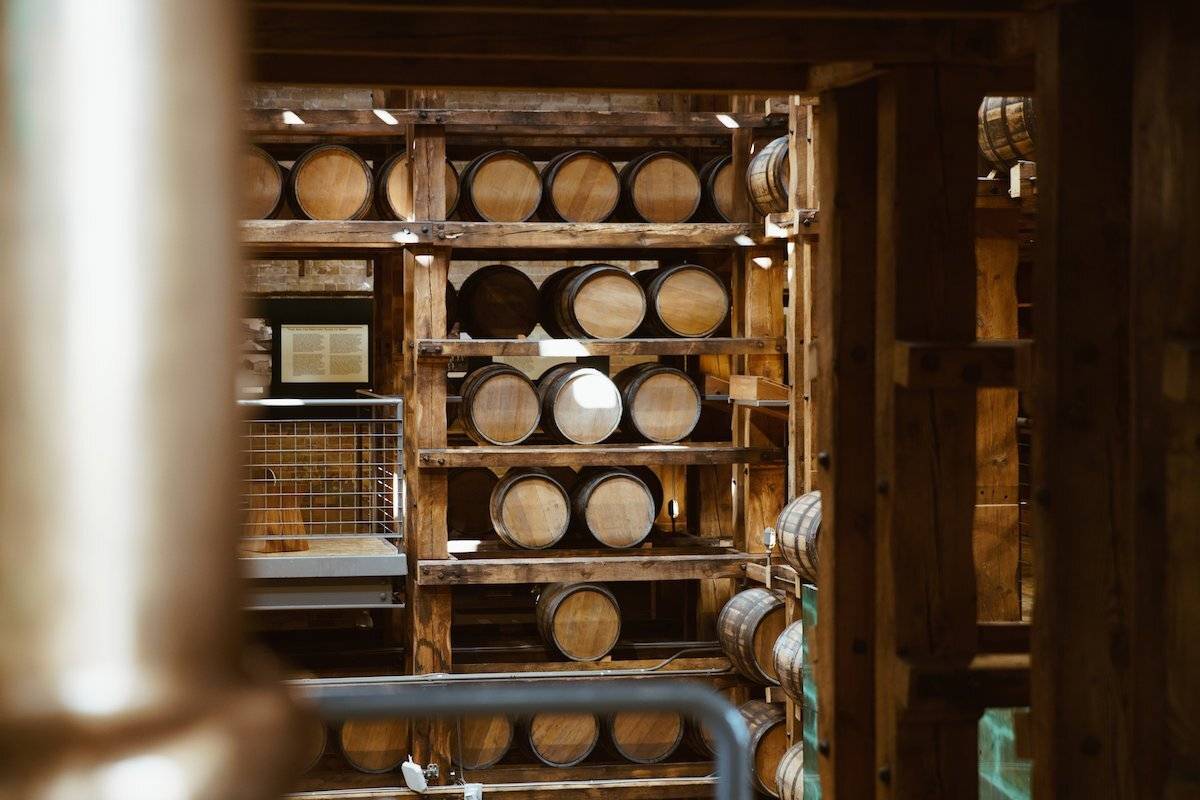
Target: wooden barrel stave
point(768, 177)
point(498, 302)
point(330, 182)
point(685, 300)
point(717, 180)
point(614, 505)
point(579, 186)
point(788, 659)
point(747, 627)
point(500, 186)
point(644, 737)
point(374, 745)
point(559, 739)
point(660, 186)
point(314, 741)
point(393, 189)
point(768, 742)
point(1007, 130)
point(789, 777)
point(482, 740)
point(580, 405)
point(529, 509)
point(596, 301)
point(659, 403)
point(580, 620)
point(500, 405)
point(798, 528)
point(263, 181)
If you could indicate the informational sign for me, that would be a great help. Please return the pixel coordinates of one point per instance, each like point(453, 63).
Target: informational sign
point(324, 354)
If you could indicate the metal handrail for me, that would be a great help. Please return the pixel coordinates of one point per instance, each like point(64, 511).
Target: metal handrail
point(730, 737)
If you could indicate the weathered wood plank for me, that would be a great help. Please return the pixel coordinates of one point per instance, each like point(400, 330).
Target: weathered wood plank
point(653, 788)
point(843, 311)
point(543, 569)
point(613, 455)
point(569, 348)
point(938, 365)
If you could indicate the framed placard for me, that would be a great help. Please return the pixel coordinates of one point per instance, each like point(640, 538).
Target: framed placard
point(324, 354)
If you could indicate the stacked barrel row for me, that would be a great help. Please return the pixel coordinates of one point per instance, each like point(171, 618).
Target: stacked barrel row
point(594, 301)
point(479, 742)
point(333, 182)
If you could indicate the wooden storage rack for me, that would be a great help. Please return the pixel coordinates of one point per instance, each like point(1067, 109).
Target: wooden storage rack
point(411, 263)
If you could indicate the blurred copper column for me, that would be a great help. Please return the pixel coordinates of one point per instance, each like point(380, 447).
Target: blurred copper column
point(118, 589)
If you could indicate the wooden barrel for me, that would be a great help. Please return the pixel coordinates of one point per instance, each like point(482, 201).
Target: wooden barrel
point(467, 490)
point(789, 777)
point(684, 300)
point(580, 186)
point(499, 405)
point(748, 626)
point(482, 740)
point(659, 403)
point(393, 188)
point(768, 741)
point(374, 745)
point(498, 302)
point(330, 181)
point(788, 658)
point(501, 186)
point(768, 176)
point(717, 182)
point(262, 184)
point(529, 509)
point(798, 528)
point(644, 737)
point(580, 620)
point(660, 187)
point(1007, 130)
point(597, 301)
point(698, 739)
point(614, 505)
point(653, 483)
point(315, 739)
point(579, 404)
point(562, 739)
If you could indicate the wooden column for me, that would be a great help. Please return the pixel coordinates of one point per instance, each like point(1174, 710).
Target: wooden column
point(844, 307)
point(925, 437)
point(425, 271)
point(1093, 648)
point(1166, 285)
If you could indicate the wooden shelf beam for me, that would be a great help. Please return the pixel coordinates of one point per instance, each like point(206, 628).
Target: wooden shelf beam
point(568, 348)
point(652, 788)
point(938, 365)
point(601, 455)
point(647, 565)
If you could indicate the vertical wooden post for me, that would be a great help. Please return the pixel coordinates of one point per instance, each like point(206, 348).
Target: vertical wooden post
point(809, 253)
point(1166, 286)
point(1093, 648)
point(844, 308)
point(925, 438)
point(425, 273)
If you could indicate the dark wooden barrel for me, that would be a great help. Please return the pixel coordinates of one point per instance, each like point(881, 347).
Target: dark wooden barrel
point(660, 187)
point(500, 405)
point(262, 181)
point(393, 188)
point(659, 403)
point(768, 742)
point(685, 300)
point(798, 528)
point(315, 740)
point(561, 739)
point(579, 186)
point(468, 492)
point(500, 186)
point(481, 740)
point(717, 180)
point(580, 620)
point(698, 740)
point(644, 737)
point(748, 626)
point(580, 405)
point(498, 302)
point(768, 176)
point(374, 745)
point(1007, 130)
point(529, 509)
point(614, 505)
point(332, 182)
point(597, 301)
point(788, 659)
point(789, 777)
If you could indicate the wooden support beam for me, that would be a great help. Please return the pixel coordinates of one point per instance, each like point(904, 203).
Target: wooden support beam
point(573, 348)
point(984, 364)
point(947, 693)
point(664, 566)
point(606, 455)
point(843, 309)
point(925, 437)
point(756, 387)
